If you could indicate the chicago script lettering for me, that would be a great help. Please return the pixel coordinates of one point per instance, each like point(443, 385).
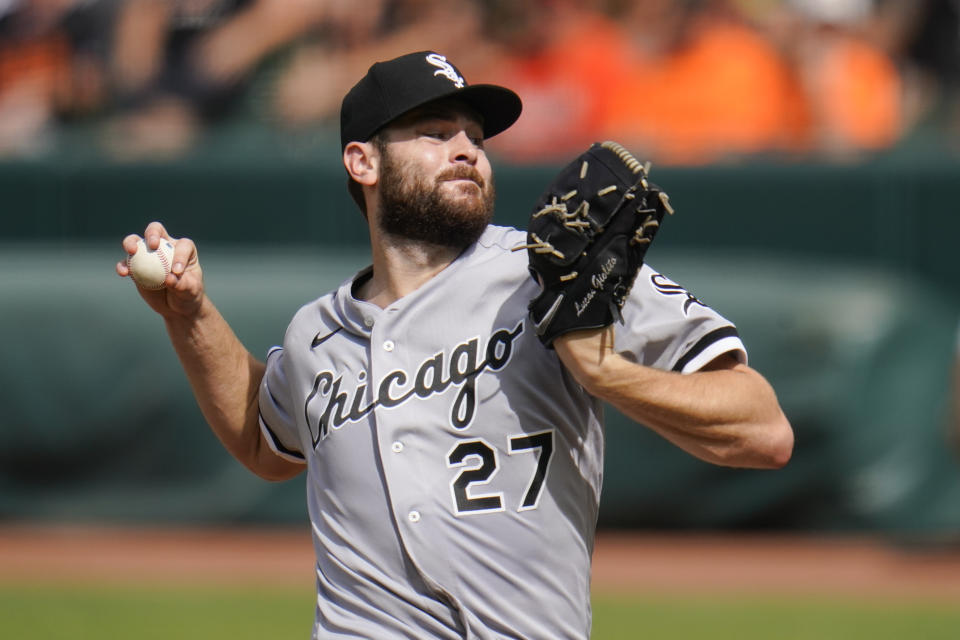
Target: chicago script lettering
point(329, 406)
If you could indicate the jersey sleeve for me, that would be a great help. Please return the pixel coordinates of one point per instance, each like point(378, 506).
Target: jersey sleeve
point(667, 327)
point(276, 418)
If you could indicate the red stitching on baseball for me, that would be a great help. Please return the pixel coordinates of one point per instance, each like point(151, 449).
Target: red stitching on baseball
point(163, 260)
point(164, 263)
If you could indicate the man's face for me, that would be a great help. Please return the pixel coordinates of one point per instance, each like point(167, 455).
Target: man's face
point(436, 184)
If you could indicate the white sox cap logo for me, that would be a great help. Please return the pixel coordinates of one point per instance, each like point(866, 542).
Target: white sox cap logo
point(445, 69)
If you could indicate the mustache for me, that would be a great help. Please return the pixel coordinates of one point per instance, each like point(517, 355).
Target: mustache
point(462, 172)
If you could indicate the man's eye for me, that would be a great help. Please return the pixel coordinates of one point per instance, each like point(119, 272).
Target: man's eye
point(438, 135)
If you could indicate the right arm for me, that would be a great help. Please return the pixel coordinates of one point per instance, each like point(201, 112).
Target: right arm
point(224, 376)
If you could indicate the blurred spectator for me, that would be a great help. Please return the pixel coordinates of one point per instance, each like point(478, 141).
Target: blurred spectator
point(325, 66)
point(52, 57)
point(852, 88)
point(181, 64)
point(563, 58)
point(702, 86)
point(925, 37)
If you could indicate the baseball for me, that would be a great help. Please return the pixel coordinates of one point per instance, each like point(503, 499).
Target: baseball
point(148, 268)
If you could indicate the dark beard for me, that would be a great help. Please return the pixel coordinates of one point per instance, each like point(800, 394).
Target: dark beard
point(412, 209)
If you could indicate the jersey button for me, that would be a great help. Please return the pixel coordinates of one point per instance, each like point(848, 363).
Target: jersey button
point(388, 345)
point(368, 320)
point(413, 516)
point(397, 447)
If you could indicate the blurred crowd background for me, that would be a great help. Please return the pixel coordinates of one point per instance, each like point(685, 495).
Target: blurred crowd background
point(811, 146)
point(683, 82)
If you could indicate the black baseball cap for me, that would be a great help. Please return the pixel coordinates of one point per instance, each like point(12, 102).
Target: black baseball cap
point(395, 87)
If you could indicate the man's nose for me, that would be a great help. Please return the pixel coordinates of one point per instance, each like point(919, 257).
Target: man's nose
point(463, 148)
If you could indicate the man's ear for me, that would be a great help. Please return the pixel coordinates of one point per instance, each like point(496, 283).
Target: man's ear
point(362, 162)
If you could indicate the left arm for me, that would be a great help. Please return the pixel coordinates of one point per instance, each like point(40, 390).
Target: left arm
point(726, 413)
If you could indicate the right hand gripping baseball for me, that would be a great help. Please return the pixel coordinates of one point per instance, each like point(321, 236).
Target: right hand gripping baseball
point(183, 292)
point(587, 238)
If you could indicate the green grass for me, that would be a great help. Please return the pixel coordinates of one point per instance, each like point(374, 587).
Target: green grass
point(155, 613)
point(771, 618)
point(249, 612)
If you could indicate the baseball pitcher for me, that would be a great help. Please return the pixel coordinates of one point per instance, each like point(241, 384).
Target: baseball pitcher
point(445, 402)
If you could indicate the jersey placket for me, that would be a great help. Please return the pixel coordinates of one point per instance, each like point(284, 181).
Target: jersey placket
point(404, 463)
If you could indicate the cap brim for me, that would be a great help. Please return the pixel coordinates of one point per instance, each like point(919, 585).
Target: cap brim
point(498, 106)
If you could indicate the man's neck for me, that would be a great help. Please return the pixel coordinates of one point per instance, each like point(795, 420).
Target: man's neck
point(401, 266)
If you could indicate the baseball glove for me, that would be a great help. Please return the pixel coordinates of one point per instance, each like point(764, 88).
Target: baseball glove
point(587, 238)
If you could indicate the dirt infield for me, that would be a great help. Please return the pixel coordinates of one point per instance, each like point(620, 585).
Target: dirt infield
point(623, 562)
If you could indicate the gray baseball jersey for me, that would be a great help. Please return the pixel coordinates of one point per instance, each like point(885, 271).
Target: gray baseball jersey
point(453, 465)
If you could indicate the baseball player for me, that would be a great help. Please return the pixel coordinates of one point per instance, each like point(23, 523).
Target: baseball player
point(453, 456)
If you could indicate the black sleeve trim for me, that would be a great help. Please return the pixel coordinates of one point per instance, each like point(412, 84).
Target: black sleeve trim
point(279, 446)
point(703, 343)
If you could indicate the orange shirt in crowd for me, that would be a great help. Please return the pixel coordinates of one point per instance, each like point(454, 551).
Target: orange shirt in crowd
point(564, 87)
point(726, 91)
point(40, 61)
point(855, 95)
